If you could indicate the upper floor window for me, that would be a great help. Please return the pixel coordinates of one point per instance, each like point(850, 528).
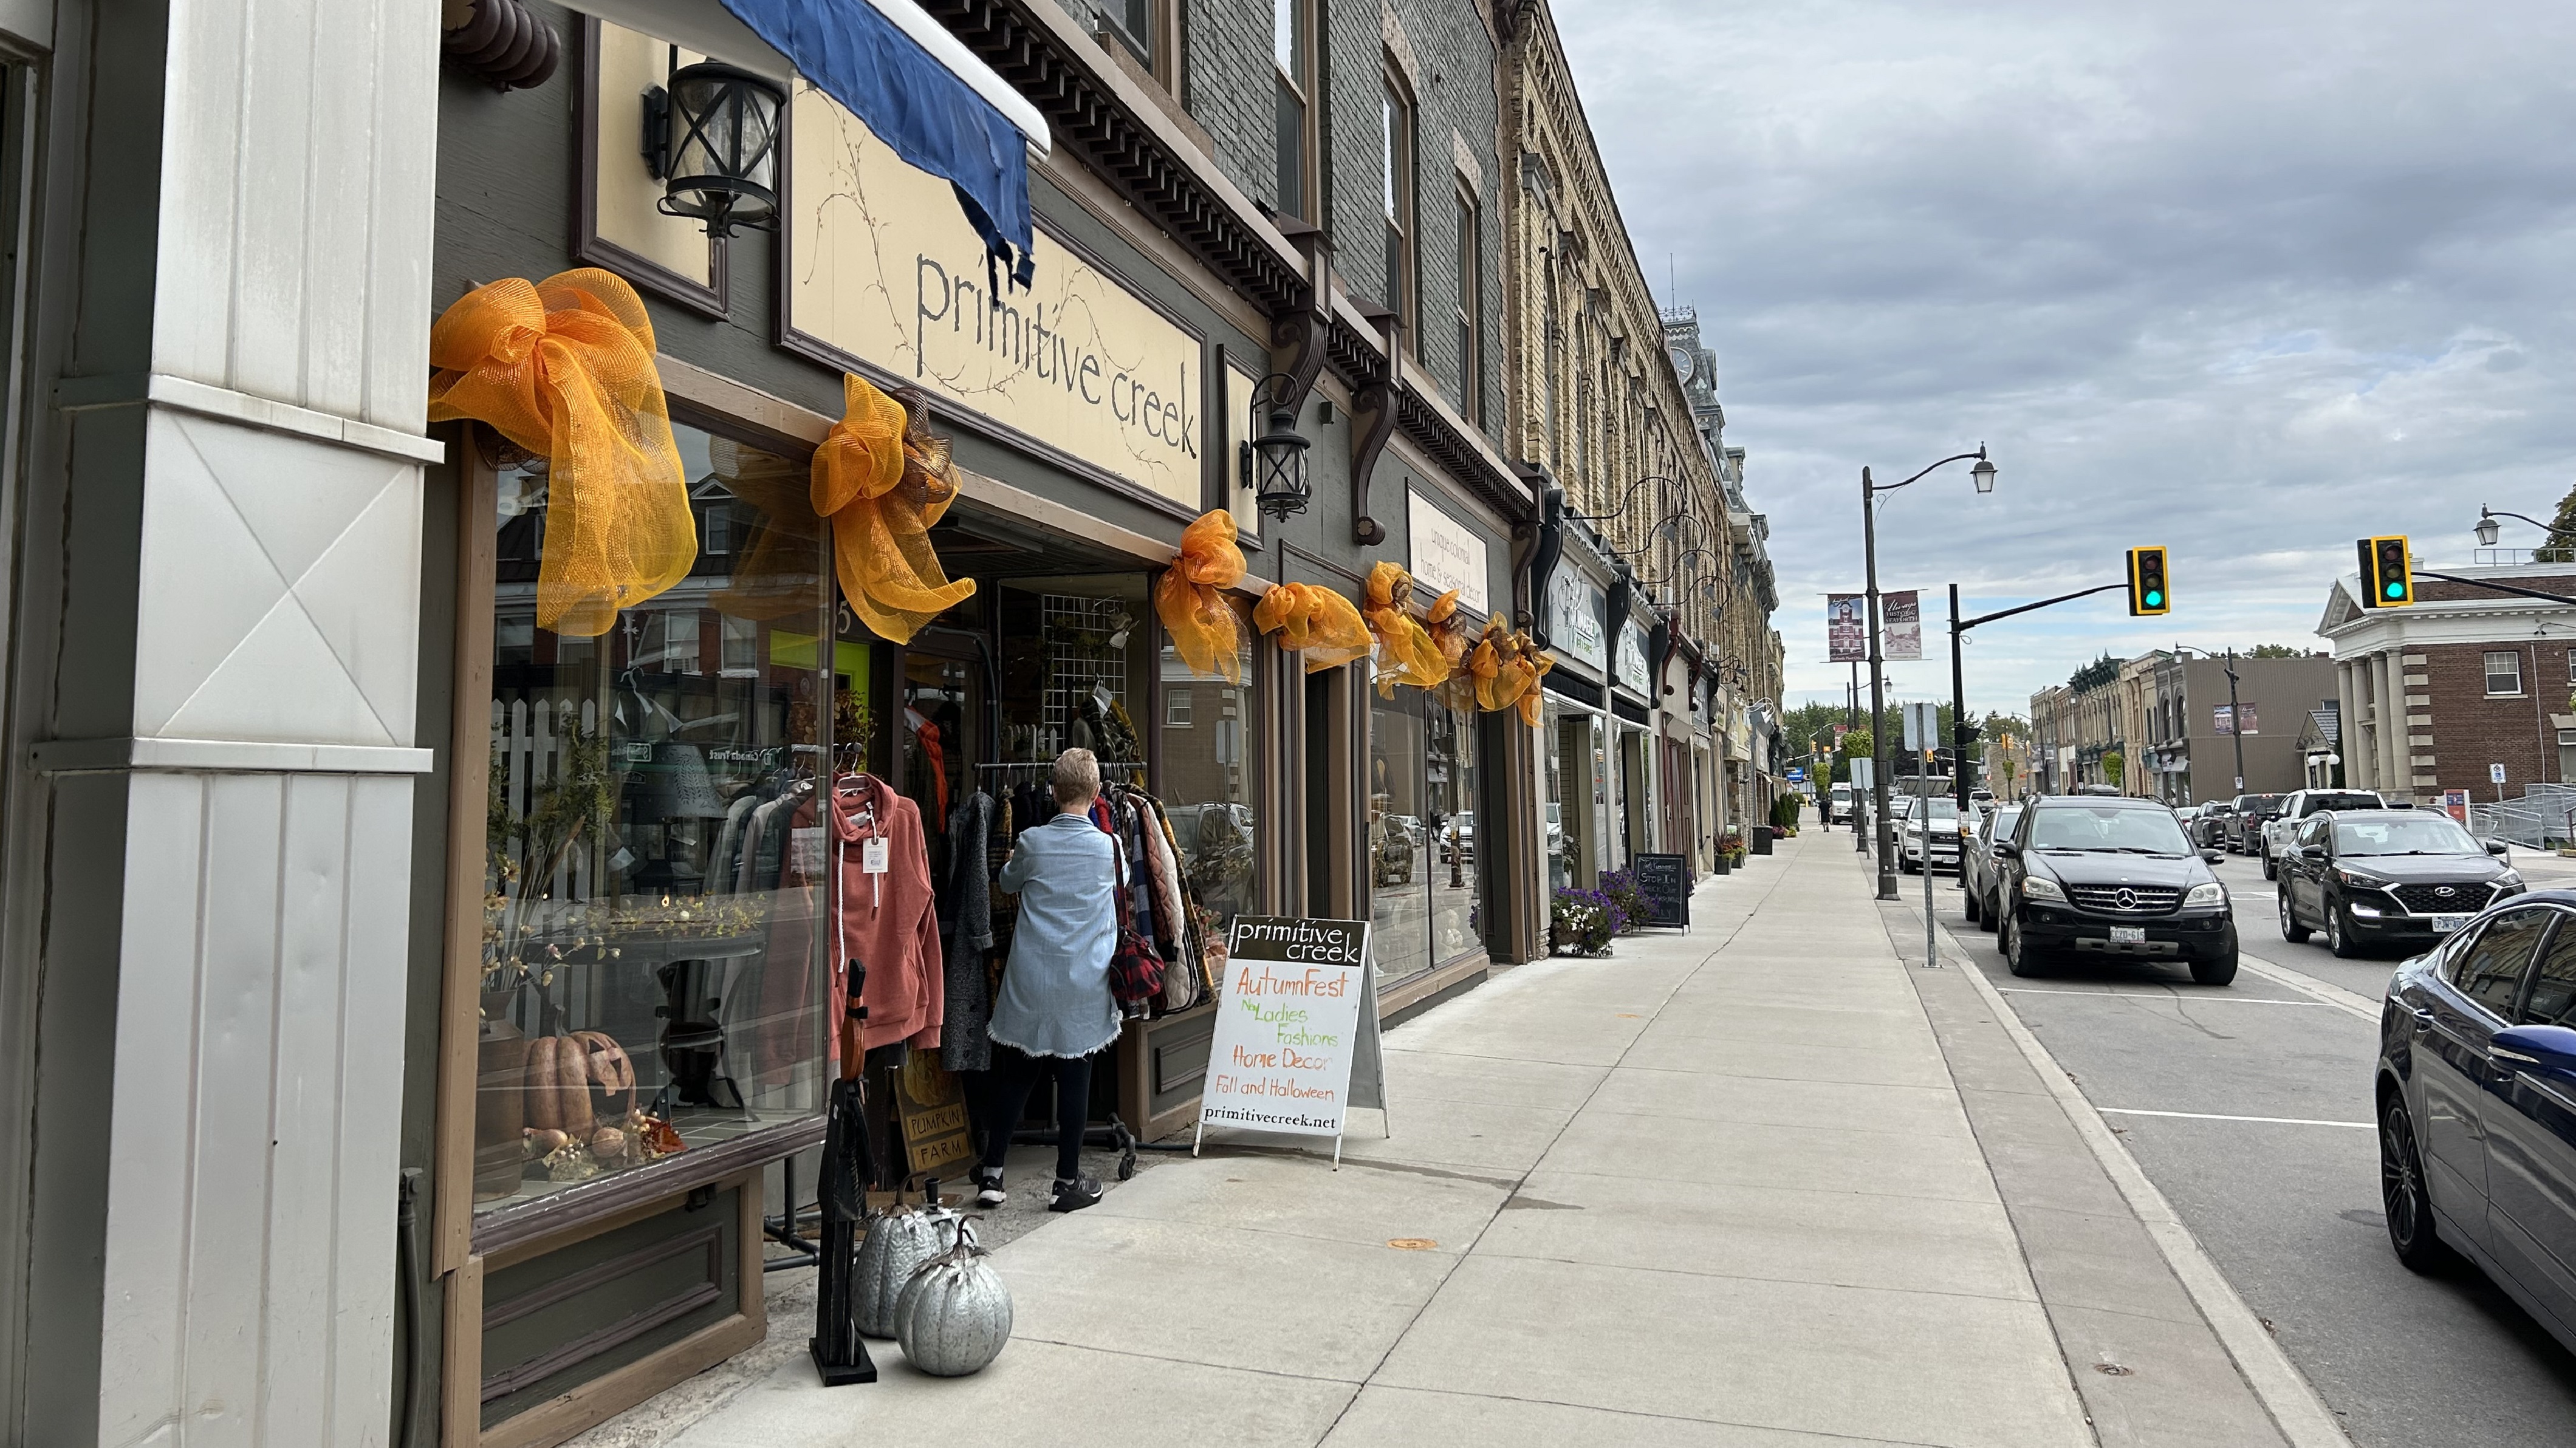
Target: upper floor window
point(1471, 365)
point(1145, 28)
point(1292, 48)
point(2504, 672)
point(1395, 113)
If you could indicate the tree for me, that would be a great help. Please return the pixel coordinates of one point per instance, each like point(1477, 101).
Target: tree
point(2275, 651)
point(2561, 546)
point(2115, 768)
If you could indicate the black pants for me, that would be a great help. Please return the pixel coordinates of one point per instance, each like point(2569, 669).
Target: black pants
point(1014, 1075)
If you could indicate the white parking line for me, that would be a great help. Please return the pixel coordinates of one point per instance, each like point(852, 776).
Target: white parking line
point(2158, 995)
point(2265, 1120)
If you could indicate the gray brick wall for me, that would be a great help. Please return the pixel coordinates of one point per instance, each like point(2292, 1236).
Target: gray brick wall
point(1228, 90)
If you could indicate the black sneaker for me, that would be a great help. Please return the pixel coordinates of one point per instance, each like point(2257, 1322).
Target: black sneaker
point(988, 1187)
point(1074, 1195)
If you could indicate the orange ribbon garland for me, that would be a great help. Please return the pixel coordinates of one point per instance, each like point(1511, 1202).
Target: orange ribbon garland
point(564, 368)
point(1206, 631)
point(1317, 622)
point(1507, 668)
point(883, 479)
point(1406, 652)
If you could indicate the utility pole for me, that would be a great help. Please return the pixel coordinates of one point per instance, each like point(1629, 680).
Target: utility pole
point(1958, 720)
point(1877, 697)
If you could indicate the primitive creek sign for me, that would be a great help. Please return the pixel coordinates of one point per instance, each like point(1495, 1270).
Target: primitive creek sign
point(1298, 1013)
point(1665, 882)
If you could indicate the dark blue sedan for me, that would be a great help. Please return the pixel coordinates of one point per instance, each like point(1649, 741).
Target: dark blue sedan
point(2477, 1104)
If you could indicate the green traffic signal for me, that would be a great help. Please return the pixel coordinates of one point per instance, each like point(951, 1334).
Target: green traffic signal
point(2147, 583)
point(2387, 576)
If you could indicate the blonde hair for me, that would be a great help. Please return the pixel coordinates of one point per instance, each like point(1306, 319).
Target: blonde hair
point(1077, 777)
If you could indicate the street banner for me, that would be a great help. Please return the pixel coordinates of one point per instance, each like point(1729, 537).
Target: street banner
point(2455, 803)
point(2223, 717)
point(1299, 1010)
point(1904, 615)
point(1846, 628)
point(2246, 723)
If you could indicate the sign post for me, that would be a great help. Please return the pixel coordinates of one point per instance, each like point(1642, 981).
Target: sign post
point(2495, 775)
point(1298, 1013)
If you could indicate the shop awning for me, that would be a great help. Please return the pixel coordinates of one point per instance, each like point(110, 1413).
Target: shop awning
point(902, 73)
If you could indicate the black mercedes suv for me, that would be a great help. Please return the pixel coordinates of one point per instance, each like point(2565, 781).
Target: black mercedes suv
point(2111, 878)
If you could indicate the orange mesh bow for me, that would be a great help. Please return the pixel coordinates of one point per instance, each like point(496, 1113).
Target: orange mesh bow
point(1450, 634)
point(564, 368)
point(1317, 622)
point(1190, 596)
point(884, 479)
point(1507, 668)
point(1406, 652)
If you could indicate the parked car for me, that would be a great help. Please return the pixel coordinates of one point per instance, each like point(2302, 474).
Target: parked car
point(1939, 816)
point(1979, 877)
point(2210, 830)
point(2297, 806)
point(2245, 823)
point(2477, 1148)
point(2366, 877)
point(2099, 791)
point(2111, 878)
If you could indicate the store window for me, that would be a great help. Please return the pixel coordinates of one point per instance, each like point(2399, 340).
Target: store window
point(1422, 837)
point(1208, 776)
point(650, 983)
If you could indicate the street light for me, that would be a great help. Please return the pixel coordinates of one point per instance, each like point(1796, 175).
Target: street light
point(1983, 475)
point(2489, 528)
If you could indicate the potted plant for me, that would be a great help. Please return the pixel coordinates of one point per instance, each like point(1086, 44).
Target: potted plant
point(1583, 922)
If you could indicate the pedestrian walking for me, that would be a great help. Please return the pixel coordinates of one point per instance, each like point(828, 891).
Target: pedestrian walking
point(1054, 1011)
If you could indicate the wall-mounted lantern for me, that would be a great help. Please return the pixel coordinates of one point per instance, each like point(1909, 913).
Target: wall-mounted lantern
point(711, 139)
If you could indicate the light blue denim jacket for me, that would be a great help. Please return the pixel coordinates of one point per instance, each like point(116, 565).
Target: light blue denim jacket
point(1055, 997)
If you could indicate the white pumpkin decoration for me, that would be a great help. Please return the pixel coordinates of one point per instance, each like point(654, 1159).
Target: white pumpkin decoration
point(955, 1313)
point(898, 1241)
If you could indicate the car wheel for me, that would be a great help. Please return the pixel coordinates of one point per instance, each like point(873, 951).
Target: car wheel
point(2270, 870)
point(1971, 904)
point(1987, 918)
point(2017, 953)
point(2339, 935)
point(2220, 971)
point(2402, 1199)
point(2291, 930)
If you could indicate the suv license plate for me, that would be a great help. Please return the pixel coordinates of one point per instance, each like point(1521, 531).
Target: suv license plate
point(2445, 924)
point(2128, 935)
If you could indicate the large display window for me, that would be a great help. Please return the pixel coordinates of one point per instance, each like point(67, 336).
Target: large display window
point(650, 982)
point(1207, 734)
point(1421, 834)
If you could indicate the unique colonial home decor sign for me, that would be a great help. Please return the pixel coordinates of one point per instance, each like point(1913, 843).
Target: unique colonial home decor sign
point(1299, 1011)
point(882, 269)
point(1446, 555)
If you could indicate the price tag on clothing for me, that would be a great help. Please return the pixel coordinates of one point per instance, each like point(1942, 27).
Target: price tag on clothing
point(872, 857)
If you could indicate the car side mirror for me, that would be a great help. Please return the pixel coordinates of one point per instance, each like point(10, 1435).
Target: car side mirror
point(2549, 1047)
point(2006, 850)
point(2312, 852)
point(2211, 857)
point(2497, 849)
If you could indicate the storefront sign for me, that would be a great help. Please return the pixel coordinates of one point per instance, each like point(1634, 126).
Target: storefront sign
point(1634, 676)
point(1664, 881)
point(1902, 616)
point(1578, 615)
point(1846, 628)
point(884, 268)
point(1289, 1026)
point(1446, 555)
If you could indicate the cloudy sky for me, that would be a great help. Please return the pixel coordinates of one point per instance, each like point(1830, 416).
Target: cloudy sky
point(2246, 280)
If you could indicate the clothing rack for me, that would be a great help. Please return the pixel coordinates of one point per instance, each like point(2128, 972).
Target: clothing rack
point(1106, 765)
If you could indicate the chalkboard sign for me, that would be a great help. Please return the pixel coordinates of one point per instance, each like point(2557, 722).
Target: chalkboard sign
point(1665, 882)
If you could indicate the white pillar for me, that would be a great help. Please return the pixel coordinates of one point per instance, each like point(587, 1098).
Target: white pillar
point(2396, 775)
point(2348, 729)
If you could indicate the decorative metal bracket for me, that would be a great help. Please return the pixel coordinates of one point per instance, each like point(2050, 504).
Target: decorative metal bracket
point(1298, 337)
point(1378, 400)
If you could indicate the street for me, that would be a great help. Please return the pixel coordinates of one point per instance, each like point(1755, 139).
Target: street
point(2287, 1202)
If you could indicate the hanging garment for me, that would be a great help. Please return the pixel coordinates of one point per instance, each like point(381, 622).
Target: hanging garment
point(887, 921)
point(966, 935)
point(721, 866)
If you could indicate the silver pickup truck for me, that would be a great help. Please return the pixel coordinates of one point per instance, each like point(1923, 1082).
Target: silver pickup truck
point(2301, 804)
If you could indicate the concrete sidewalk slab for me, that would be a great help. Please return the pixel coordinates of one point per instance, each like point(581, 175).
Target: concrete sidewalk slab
point(1718, 1188)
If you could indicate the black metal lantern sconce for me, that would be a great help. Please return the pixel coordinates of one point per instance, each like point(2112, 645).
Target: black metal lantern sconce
point(1274, 463)
point(711, 139)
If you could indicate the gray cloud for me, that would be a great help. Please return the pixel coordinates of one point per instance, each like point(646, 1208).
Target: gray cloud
point(2248, 281)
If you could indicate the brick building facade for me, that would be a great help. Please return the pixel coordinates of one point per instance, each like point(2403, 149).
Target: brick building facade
point(2434, 696)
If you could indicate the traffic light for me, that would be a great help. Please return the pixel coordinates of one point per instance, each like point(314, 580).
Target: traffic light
point(2386, 581)
point(2147, 593)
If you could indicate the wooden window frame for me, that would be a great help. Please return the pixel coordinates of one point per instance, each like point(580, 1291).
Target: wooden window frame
point(1400, 133)
point(1470, 305)
point(1300, 88)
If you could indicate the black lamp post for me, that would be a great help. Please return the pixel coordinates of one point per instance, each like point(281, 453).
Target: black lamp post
point(1274, 464)
point(1983, 475)
point(711, 138)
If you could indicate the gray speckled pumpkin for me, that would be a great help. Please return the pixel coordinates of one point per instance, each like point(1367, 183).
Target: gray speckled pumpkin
point(897, 1243)
point(955, 1313)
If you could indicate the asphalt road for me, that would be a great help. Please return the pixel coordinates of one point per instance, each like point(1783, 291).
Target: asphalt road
point(2289, 1205)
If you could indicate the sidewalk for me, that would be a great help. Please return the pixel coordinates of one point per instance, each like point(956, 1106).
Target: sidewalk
point(1717, 1189)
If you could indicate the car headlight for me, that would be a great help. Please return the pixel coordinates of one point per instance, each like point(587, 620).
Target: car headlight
point(2212, 893)
point(2035, 888)
point(2359, 880)
point(2509, 880)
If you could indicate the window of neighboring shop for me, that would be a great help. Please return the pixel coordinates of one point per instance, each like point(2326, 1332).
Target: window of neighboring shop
point(649, 980)
point(1422, 835)
point(1396, 135)
point(1292, 50)
point(1471, 364)
point(1146, 28)
point(1208, 778)
point(2504, 673)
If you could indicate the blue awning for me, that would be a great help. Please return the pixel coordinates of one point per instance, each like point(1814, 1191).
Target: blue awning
point(916, 103)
